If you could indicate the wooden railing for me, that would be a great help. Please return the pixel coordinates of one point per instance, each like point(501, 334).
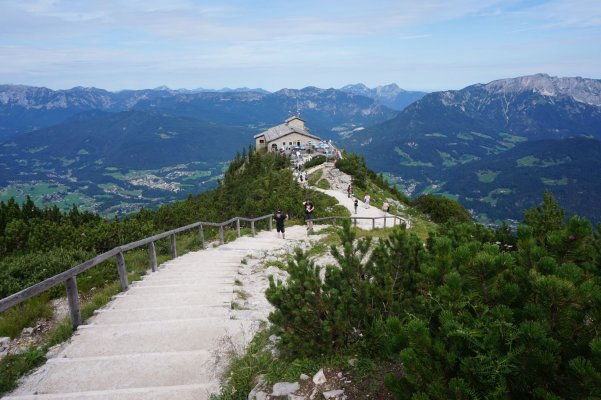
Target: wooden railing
point(70, 276)
point(394, 218)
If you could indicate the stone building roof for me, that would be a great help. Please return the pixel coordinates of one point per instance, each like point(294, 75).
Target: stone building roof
point(284, 129)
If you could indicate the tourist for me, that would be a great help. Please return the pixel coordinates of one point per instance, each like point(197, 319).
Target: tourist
point(309, 214)
point(356, 203)
point(349, 190)
point(279, 218)
point(366, 199)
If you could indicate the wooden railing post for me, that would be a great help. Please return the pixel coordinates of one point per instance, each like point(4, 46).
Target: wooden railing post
point(373, 223)
point(238, 227)
point(201, 234)
point(384, 220)
point(73, 298)
point(334, 221)
point(122, 271)
point(252, 227)
point(221, 240)
point(152, 253)
point(173, 246)
point(270, 223)
point(355, 221)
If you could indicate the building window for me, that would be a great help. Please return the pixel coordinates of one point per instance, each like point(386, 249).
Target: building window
point(261, 141)
point(284, 144)
point(290, 143)
point(298, 143)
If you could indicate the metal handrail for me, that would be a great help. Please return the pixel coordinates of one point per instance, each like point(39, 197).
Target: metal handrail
point(70, 276)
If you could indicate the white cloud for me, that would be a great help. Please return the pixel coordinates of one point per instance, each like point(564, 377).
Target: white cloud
point(137, 43)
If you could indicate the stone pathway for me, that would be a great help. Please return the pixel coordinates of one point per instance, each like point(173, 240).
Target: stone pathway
point(164, 338)
point(339, 182)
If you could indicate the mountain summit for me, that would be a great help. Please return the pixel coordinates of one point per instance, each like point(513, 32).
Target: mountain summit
point(580, 89)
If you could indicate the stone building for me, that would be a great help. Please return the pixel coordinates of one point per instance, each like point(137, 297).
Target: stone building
point(285, 136)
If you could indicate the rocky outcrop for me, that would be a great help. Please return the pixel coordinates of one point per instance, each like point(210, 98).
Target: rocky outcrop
point(323, 385)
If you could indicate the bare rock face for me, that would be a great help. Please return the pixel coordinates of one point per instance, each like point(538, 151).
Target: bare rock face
point(580, 89)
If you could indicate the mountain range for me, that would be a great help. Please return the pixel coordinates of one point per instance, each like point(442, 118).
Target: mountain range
point(495, 147)
point(436, 139)
point(24, 108)
point(116, 152)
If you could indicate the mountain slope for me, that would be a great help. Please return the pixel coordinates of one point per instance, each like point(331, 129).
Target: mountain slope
point(505, 184)
point(456, 128)
point(118, 160)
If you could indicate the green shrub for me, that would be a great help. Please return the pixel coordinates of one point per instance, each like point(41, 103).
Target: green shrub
point(317, 160)
point(441, 209)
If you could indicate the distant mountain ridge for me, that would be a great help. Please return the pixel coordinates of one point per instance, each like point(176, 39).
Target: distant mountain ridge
point(25, 108)
point(452, 129)
point(580, 89)
point(390, 95)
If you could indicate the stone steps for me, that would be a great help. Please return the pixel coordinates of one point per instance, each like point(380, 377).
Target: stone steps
point(158, 339)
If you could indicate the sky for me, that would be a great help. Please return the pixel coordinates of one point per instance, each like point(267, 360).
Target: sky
point(423, 45)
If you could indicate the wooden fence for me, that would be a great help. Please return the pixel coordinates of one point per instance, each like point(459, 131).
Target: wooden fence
point(70, 276)
point(394, 218)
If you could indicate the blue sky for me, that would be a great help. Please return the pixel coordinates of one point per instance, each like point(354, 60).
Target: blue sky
point(420, 45)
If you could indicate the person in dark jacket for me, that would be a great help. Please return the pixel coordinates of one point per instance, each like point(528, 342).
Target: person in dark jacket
point(279, 218)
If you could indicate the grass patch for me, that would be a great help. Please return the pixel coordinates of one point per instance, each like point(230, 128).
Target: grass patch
point(13, 320)
point(492, 196)
point(323, 184)
point(245, 367)
point(513, 138)
point(531, 161)
point(408, 161)
point(315, 177)
point(487, 176)
point(277, 263)
point(555, 182)
point(12, 367)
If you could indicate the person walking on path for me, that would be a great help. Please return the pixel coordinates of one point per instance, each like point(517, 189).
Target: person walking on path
point(349, 190)
point(385, 207)
point(356, 204)
point(366, 200)
point(309, 207)
point(279, 218)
